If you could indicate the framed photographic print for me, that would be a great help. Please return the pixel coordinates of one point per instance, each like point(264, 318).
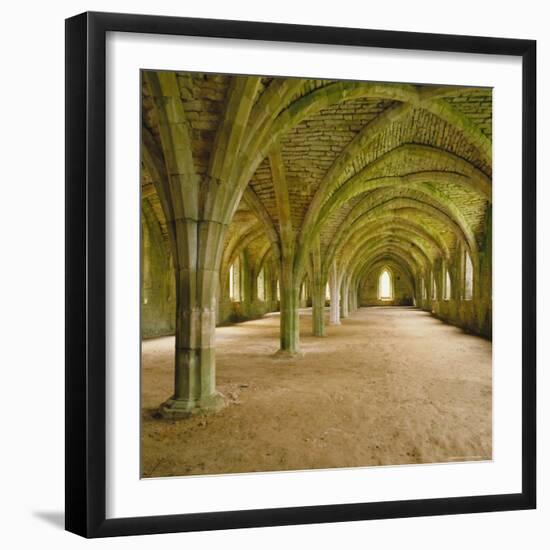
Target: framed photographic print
point(291, 252)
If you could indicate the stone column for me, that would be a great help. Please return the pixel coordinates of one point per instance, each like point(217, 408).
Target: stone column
point(290, 319)
point(224, 301)
point(483, 290)
point(334, 296)
point(318, 309)
point(197, 286)
point(318, 290)
point(345, 298)
point(248, 285)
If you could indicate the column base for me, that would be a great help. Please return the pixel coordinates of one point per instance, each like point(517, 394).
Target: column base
point(176, 409)
point(286, 354)
point(334, 323)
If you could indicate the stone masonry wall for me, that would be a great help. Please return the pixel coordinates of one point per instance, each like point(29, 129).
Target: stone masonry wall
point(402, 290)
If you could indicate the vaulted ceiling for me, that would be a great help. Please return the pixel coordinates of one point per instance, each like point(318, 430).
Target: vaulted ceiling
point(372, 170)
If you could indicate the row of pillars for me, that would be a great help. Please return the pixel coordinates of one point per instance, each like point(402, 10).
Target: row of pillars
point(343, 302)
point(196, 312)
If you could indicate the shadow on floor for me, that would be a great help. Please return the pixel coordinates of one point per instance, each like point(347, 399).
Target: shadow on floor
point(57, 519)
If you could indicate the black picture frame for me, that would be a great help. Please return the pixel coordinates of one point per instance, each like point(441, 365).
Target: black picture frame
point(86, 274)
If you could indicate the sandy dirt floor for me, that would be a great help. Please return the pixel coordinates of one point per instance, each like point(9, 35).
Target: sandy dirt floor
point(387, 386)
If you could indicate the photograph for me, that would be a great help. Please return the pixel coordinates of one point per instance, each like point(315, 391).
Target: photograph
point(316, 273)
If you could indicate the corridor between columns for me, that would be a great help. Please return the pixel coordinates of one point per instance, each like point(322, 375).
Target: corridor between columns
point(387, 386)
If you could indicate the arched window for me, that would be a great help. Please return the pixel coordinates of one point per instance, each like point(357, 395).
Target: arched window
point(468, 276)
point(447, 286)
point(260, 282)
point(434, 288)
point(327, 292)
point(385, 291)
point(235, 281)
point(278, 291)
point(423, 288)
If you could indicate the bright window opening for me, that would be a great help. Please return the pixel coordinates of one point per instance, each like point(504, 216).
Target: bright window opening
point(278, 291)
point(423, 287)
point(447, 287)
point(385, 286)
point(235, 281)
point(434, 289)
point(468, 277)
point(260, 282)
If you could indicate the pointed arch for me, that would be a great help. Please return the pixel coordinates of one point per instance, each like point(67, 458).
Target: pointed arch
point(385, 285)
